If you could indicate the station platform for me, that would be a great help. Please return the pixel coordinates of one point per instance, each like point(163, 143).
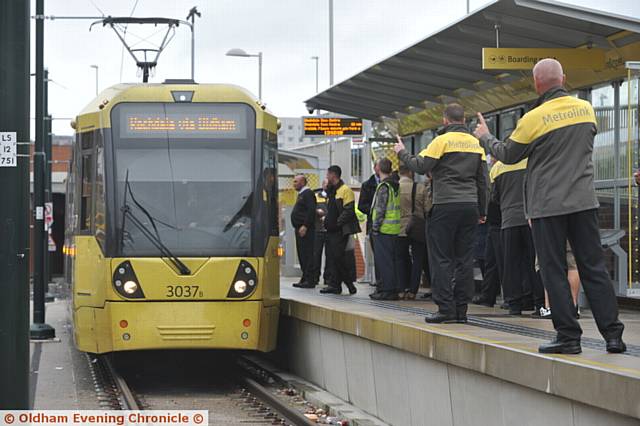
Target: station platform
point(60, 377)
point(383, 357)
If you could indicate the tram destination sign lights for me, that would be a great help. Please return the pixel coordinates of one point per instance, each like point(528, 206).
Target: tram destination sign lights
point(507, 58)
point(332, 126)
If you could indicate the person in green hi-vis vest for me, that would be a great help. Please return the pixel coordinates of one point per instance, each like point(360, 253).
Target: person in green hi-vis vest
point(385, 217)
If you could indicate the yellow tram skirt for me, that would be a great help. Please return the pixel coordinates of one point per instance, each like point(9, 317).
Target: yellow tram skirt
point(124, 326)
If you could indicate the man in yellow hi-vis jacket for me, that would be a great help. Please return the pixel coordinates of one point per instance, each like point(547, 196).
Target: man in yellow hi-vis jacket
point(458, 168)
point(557, 138)
point(385, 227)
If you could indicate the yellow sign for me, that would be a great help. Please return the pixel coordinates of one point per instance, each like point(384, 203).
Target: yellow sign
point(524, 59)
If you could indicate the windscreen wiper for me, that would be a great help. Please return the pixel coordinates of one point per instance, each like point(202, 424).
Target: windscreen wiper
point(154, 238)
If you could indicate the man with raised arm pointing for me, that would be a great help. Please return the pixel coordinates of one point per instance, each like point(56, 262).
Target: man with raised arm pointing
point(458, 167)
point(557, 138)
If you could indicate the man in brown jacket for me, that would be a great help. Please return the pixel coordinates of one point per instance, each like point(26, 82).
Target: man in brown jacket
point(411, 248)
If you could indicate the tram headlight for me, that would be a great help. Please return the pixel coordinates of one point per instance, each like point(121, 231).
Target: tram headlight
point(126, 283)
point(130, 287)
point(244, 282)
point(240, 286)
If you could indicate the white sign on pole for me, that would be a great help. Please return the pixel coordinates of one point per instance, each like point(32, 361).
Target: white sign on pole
point(8, 149)
point(48, 215)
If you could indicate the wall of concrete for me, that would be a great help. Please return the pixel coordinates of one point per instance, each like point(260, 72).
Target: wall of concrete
point(404, 389)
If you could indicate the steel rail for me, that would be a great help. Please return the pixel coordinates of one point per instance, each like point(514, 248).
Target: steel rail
point(127, 400)
point(289, 414)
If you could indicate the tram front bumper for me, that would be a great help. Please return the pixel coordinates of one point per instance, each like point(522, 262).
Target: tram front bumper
point(124, 326)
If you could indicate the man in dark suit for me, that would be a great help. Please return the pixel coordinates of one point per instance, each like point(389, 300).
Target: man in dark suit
point(303, 218)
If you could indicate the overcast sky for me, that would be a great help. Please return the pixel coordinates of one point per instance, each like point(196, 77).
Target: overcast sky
point(288, 32)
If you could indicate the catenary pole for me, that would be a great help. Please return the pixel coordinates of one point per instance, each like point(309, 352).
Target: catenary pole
point(14, 208)
point(39, 329)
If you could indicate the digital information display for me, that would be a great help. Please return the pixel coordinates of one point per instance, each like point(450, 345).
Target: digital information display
point(184, 124)
point(332, 126)
point(183, 121)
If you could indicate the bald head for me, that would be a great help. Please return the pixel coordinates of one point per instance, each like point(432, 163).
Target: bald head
point(547, 74)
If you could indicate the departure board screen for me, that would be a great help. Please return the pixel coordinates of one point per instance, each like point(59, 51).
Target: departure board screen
point(141, 121)
point(332, 126)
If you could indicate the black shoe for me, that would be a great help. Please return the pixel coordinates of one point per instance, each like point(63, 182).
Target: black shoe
point(461, 314)
point(352, 288)
point(300, 284)
point(616, 346)
point(331, 290)
point(306, 285)
point(426, 296)
point(440, 318)
point(505, 306)
point(383, 295)
point(556, 346)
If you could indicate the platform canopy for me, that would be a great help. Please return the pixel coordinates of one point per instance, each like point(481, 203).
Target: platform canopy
point(413, 84)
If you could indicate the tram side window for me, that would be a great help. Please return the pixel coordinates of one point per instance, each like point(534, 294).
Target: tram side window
point(86, 182)
point(270, 176)
point(70, 212)
point(100, 213)
point(86, 196)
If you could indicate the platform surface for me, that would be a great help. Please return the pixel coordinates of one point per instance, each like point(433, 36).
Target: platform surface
point(492, 343)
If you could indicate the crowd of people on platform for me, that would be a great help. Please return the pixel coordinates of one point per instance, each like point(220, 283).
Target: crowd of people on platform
point(537, 207)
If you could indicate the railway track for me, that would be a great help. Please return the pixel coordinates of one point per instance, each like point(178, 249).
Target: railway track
point(233, 395)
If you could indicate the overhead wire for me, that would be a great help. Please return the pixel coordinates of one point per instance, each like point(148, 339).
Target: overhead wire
point(133, 9)
point(96, 6)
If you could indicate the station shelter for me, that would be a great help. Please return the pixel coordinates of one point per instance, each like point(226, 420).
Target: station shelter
point(406, 94)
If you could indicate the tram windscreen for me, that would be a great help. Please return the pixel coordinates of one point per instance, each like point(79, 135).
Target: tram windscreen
point(193, 186)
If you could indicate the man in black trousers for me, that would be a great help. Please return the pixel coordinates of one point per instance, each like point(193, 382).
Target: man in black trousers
point(519, 273)
point(458, 168)
point(303, 219)
point(341, 223)
point(557, 138)
point(494, 259)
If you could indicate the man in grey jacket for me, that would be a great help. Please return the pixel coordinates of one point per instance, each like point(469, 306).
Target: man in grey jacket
point(458, 166)
point(557, 138)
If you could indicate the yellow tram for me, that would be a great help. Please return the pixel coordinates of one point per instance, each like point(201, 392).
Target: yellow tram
point(172, 220)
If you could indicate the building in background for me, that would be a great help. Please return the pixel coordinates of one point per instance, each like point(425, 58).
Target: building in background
point(291, 133)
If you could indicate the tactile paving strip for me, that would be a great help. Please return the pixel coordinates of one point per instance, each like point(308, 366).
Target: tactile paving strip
point(587, 342)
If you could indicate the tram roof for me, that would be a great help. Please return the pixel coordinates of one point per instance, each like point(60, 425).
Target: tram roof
point(412, 85)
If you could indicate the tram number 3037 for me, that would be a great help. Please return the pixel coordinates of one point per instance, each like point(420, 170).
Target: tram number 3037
point(183, 291)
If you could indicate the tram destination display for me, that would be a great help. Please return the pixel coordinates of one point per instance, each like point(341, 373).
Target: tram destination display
point(183, 121)
point(332, 126)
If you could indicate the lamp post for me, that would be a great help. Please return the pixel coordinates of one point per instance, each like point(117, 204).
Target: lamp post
point(331, 42)
point(242, 54)
point(315, 58)
point(96, 68)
